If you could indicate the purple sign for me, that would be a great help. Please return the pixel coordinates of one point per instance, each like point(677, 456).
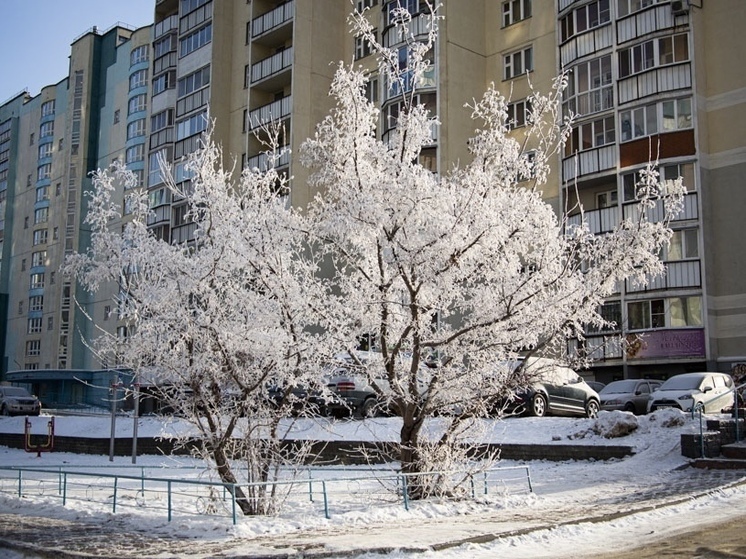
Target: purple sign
point(666, 343)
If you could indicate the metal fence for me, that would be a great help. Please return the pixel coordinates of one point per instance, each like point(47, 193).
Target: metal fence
point(313, 491)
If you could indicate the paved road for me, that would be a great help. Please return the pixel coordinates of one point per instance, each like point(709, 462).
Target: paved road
point(40, 537)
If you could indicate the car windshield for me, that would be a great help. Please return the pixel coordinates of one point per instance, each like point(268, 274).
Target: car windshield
point(682, 383)
point(14, 391)
point(619, 387)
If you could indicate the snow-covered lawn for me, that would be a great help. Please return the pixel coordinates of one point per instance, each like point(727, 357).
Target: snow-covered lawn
point(564, 493)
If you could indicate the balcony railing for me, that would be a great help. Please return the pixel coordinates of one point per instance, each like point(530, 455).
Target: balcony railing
point(169, 24)
point(686, 273)
point(589, 161)
point(277, 17)
point(654, 81)
point(273, 112)
point(597, 347)
point(418, 27)
point(587, 43)
point(272, 65)
point(261, 161)
point(599, 221)
point(657, 213)
point(651, 20)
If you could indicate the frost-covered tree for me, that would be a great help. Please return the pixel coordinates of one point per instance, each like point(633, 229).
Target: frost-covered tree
point(457, 275)
point(221, 327)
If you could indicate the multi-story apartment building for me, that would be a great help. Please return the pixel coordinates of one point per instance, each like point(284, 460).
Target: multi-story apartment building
point(647, 79)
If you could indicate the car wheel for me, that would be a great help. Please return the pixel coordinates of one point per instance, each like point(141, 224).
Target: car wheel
point(369, 408)
point(591, 409)
point(629, 406)
point(538, 406)
point(4, 411)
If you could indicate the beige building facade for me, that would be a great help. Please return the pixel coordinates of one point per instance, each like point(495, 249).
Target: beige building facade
point(647, 79)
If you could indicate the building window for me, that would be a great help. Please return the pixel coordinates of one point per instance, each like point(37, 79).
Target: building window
point(37, 281)
point(193, 125)
point(39, 259)
point(50, 323)
point(138, 79)
point(40, 236)
point(517, 63)
point(585, 18)
point(33, 348)
point(23, 265)
point(154, 167)
point(47, 108)
point(134, 154)
point(515, 11)
point(589, 88)
point(41, 215)
point(136, 128)
point(371, 89)
point(644, 315)
point(139, 54)
point(674, 312)
point(195, 40)
point(363, 47)
point(46, 130)
point(411, 6)
point(362, 4)
point(36, 303)
point(674, 114)
point(518, 113)
point(107, 312)
point(610, 311)
point(685, 311)
point(31, 139)
point(116, 116)
point(607, 199)
point(45, 150)
point(682, 246)
point(194, 81)
point(626, 7)
point(591, 135)
point(44, 172)
point(34, 326)
point(161, 120)
point(656, 52)
point(137, 103)
point(163, 82)
point(191, 5)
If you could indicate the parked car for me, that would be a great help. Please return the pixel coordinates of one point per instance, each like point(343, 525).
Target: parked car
point(351, 387)
point(628, 395)
point(559, 391)
point(15, 400)
point(595, 385)
point(714, 391)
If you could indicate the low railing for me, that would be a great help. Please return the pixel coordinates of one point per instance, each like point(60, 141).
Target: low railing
point(199, 497)
point(699, 407)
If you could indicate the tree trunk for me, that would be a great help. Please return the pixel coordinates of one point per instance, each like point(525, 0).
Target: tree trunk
point(227, 476)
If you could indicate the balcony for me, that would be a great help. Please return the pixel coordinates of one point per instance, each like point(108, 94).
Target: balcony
point(598, 347)
point(654, 18)
point(261, 161)
point(683, 274)
point(654, 81)
point(169, 24)
point(272, 112)
point(588, 162)
point(656, 214)
point(272, 66)
point(599, 221)
point(272, 25)
point(586, 43)
point(419, 27)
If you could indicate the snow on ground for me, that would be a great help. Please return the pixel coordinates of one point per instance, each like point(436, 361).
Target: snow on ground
point(561, 490)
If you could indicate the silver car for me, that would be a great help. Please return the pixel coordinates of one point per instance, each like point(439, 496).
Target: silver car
point(710, 390)
point(628, 395)
point(15, 400)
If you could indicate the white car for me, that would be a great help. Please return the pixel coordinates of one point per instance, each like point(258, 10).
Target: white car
point(713, 391)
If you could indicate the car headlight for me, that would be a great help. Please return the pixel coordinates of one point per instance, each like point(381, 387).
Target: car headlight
point(685, 397)
point(611, 402)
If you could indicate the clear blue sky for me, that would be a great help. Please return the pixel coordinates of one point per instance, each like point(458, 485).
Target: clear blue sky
point(36, 36)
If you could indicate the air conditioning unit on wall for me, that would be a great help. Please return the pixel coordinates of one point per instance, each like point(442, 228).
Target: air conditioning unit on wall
point(680, 7)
